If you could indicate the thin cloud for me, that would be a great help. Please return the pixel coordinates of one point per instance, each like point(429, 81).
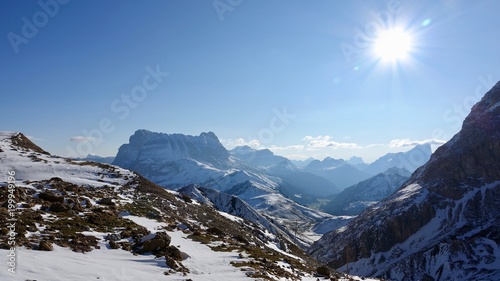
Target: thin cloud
point(290, 147)
point(231, 143)
point(327, 141)
point(81, 139)
point(408, 142)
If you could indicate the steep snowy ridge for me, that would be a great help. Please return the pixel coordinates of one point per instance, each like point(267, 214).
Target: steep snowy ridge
point(278, 215)
point(227, 203)
point(443, 224)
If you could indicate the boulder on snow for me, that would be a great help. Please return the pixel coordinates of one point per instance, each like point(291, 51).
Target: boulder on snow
point(45, 245)
point(157, 244)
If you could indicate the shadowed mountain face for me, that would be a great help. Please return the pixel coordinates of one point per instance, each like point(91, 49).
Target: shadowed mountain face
point(338, 171)
point(150, 146)
point(354, 199)
point(444, 223)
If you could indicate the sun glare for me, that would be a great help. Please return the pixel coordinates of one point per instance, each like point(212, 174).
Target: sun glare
point(392, 45)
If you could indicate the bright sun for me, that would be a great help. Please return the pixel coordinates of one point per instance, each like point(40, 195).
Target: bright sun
point(392, 45)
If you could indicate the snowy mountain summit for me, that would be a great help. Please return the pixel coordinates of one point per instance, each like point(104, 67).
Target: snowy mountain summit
point(443, 223)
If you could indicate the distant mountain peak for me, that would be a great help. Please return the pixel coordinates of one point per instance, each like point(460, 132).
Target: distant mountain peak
point(397, 171)
point(145, 145)
point(409, 160)
point(355, 160)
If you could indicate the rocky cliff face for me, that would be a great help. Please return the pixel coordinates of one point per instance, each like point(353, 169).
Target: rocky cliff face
point(444, 223)
point(145, 145)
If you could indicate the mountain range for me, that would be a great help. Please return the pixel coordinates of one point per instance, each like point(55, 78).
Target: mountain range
point(269, 183)
point(82, 220)
point(175, 161)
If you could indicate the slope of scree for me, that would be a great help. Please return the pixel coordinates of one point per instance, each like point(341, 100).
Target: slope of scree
point(97, 208)
point(443, 224)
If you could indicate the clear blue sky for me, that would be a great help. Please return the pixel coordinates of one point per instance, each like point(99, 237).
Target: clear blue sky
point(234, 66)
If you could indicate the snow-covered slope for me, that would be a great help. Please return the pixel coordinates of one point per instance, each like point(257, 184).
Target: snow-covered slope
point(444, 223)
point(354, 199)
point(227, 203)
point(17, 154)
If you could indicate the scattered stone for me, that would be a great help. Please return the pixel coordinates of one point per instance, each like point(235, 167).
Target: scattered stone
point(106, 201)
point(171, 262)
point(51, 197)
point(114, 245)
point(113, 237)
point(158, 244)
point(59, 207)
point(45, 245)
point(174, 253)
point(83, 243)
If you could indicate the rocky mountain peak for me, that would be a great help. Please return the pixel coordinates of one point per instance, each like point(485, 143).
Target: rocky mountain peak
point(442, 224)
point(151, 147)
point(471, 156)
